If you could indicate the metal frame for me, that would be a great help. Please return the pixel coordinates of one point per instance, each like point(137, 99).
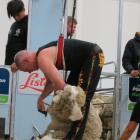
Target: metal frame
point(12, 106)
point(116, 115)
point(117, 77)
point(29, 24)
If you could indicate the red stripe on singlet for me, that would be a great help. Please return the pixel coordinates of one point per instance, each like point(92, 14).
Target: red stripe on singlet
point(59, 63)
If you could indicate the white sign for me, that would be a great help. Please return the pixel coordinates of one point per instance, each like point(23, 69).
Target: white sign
point(31, 83)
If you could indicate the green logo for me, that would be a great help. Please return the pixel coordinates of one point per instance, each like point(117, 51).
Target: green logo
point(3, 99)
point(131, 106)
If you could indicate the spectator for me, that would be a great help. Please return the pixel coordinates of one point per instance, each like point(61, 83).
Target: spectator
point(17, 37)
point(131, 60)
point(134, 121)
point(71, 26)
point(131, 56)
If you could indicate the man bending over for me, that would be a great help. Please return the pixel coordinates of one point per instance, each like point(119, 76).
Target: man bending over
point(83, 59)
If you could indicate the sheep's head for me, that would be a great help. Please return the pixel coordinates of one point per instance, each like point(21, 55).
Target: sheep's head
point(67, 104)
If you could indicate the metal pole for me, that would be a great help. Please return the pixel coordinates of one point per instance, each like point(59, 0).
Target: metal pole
point(12, 107)
point(29, 25)
point(116, 115)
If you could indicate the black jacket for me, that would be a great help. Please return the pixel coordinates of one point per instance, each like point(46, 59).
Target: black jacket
point(131, 56)
point(17, 39)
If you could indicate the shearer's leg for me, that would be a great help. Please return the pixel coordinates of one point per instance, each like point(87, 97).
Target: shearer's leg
point(90, 76)
point(88, 80)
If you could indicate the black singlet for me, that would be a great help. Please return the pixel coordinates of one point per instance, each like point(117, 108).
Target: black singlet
point(75, 52)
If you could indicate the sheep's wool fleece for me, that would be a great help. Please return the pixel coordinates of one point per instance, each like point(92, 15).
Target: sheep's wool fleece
point(66, 108)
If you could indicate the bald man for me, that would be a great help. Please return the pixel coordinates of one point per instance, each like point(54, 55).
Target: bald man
point(83, 59)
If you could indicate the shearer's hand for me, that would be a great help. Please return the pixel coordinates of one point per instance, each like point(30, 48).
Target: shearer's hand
point(40, 105)
point(14, 68)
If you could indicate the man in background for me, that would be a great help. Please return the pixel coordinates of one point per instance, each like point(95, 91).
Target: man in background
point(17, 37)
point(132, 124)
point(71, 26)
point(131, 64)
point(131, 56)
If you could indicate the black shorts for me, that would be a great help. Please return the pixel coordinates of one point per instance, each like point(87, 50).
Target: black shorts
point(136, 113)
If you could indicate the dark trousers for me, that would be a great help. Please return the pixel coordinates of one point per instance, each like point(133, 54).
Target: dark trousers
point(88, 80)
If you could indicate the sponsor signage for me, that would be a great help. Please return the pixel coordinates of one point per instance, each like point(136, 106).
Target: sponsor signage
point(4, 85)
point(134, 92)
point(134, 89)
point(32, 83)
point(130, 105)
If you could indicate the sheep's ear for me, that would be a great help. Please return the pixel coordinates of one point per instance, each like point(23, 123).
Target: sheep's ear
point(76, 113)
point(67, 87)
point(58, 92)
point(37, 138)
point(56, 98)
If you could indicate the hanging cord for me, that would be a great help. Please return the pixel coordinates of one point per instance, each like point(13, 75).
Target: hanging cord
point(60, 45)
point(73, 15)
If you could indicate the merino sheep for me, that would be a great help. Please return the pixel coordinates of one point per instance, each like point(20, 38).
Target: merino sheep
point(66, 108)
point(104, 103)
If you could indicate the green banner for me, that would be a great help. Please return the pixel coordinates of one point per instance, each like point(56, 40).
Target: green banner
point(3, 99)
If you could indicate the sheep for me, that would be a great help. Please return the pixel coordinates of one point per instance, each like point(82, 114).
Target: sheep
point(66, 108)
point(93, 128)
point(105, 104)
